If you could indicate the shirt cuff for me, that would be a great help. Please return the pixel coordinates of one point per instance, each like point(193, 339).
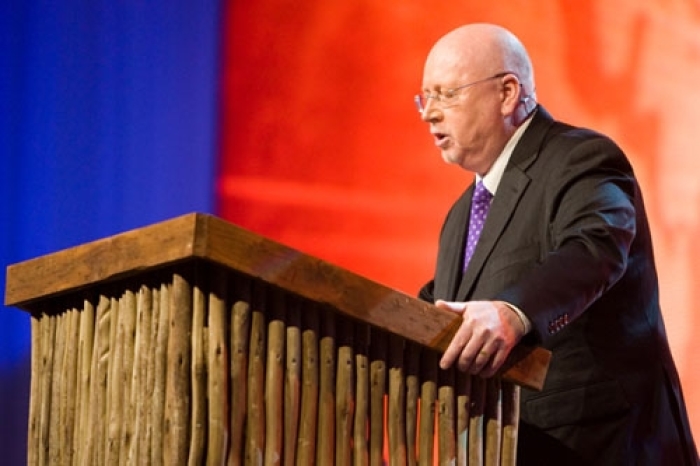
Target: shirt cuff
point(521, 315)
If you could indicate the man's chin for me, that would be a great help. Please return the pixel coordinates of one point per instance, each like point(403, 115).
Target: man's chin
point(451, 157)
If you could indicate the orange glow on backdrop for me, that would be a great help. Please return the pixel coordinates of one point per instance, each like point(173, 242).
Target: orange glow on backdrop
point(323, 149)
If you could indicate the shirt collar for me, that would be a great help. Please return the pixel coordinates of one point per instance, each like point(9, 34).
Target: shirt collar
point(493, 178)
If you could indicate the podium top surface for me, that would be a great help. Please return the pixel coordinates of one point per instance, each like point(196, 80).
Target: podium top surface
point(204, 237)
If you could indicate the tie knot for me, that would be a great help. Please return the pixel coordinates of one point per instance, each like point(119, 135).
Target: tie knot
point(481, 194)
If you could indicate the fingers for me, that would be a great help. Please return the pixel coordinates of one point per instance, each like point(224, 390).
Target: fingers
point(451, 306)
point(479, 356)
point(472, 355)
point(482, 342)
point(495, 360)
point(495, 363)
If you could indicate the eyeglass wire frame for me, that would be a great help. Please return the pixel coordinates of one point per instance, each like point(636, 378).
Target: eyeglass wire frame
point(444, 98)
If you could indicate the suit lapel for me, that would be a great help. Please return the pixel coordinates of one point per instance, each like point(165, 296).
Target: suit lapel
point(510, 190)
point(513, 185)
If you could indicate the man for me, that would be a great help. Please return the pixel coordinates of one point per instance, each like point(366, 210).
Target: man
point(564, 260)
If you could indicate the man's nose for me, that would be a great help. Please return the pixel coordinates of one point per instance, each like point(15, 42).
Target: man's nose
point(431, 112)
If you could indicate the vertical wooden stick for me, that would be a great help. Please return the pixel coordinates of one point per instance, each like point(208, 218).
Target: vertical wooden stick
point(56, 390)
point(447, 453)
point(48, 332)
point(178, 383)
point(397, 402)
point(476, 421)
point(494, 425)
point(292, 383)
point(70, 394)
point(141, 392)
point(511, 417)
point(274, 381)
point(412, 364)
point(428, 397)
point(325, 453)
point(114, 386)
point(344, 393)
point(85, 349)
point(127, 311)
point(36, 385)
point(96, 435)
point(378, 378)
point(361, 426)
point(306, 443)
point(159, 374)
point(218, 370)
point(151, 305)
point(240, 336)
point(255, 432)
point(198, 421)
point(463, 390)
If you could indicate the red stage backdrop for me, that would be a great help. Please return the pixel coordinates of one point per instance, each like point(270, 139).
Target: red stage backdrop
point(324, 151)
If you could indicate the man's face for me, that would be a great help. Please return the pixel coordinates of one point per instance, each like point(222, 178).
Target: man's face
point(467, 128)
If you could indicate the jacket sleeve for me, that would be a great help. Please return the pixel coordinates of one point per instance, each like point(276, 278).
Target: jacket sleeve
point(590, 209)
point(426, 292)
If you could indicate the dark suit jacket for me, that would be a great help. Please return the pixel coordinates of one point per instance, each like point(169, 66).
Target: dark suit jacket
point(568, 242)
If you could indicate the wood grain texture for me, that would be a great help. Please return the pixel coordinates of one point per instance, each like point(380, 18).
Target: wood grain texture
point(157, 412)
point(178, 374)
point(378, 388)
point(446, 419)
point(56, 390)
point(325, 443)
point(34, 437)
point(274, 381)
point(306, 442)
point(362, 396)
point(217, 373)
point(85, 349)
point(255, 430)
point(511, 417)
point(69, 400)
point(48, 332)
point(463, 389)
point(127, 310)
point(292, 383)
point(396, 424)
point(412, 362)
point(494, 421)
point(240, 336)
point(344, 395)
point(198, 416)
point(428, 399)
point(141, 392)
point(476, 421)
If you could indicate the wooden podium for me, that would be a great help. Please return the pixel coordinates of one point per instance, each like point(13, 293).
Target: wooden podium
point(193, 341)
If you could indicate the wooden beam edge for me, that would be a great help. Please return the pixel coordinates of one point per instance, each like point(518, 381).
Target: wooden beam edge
point(111, 258)
point(363, 299)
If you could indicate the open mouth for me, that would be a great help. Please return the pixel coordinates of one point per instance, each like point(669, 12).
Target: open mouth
point(440, 139)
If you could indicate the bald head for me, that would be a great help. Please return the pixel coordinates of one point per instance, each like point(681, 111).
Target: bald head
point(478, 89)
point(478, 50)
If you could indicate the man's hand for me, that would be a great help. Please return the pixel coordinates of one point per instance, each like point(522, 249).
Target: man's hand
point(489, 331)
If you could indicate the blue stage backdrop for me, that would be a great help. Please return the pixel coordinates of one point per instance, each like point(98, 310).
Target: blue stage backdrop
point(108, 123)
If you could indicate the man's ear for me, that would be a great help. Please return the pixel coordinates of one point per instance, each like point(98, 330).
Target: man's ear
point(511, 94)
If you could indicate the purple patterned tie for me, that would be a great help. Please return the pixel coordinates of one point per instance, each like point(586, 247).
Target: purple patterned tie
point(481, 201)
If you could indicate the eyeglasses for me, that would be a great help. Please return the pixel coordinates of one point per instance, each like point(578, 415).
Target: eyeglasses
point(449, 96)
